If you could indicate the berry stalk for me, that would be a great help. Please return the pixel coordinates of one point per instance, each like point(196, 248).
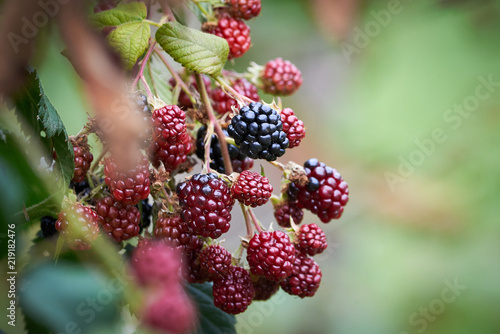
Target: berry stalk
point(237, 96)
point(140, 75)
point(248, 224)
point(213, 120)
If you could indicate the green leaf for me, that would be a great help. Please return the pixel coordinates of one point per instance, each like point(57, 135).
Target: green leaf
point(157, 79)
point(212, 319)
point(195, 50)
point(130, 40)
point(40, 119)
point(123, 13)
point(67, 297)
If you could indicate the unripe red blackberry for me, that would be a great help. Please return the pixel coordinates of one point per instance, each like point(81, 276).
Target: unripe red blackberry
point(154, 263)
point(234, 31)
point(234, 291)
point(172, 154)
point(293, 127)
point(280, 77)
point(264, 288)
point(286, 209)
point(120, 221)
point(170, 311)
point(83, 158)
point(271, 255)
point(325, 194)
point(206, 204)
point(244, 9)
point(129, 187)
point(78, 226)
point(177, 233)
point(169, 123)
point(215, 260)
point(252, 189)
point(222, 102)
point(258, 132)
point(311, 240)
point(305, 278)
point(239, 161)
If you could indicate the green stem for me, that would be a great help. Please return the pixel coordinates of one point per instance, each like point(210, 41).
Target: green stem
point(254, 219)
point(153, 23)
point(248, 224)
point(213, 120)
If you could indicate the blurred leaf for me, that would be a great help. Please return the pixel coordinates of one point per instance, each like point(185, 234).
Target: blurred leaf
point(79, 298)
point(130, 40)
point(123, 13)
point(158, 80)
point(39, 115)
point(197, 51)
point(212, 319)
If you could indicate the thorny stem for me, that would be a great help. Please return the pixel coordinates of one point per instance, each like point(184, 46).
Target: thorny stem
point(248, 224)
point(213, 121)
point(143, 65)
point(176, 77)
point(230, 90)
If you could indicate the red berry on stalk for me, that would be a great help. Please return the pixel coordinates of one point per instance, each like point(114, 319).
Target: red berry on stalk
point(169, 123)
point(78, 226)
point(193, 273)
point(234, 31)
point(280, 77)
point(234, 291)
point(154, 263)
point(83, 158)
point(325, 194)
point(129, 187)
point(271, 255)
point(206, 204)
point(244, 9)
point(311, 240)
point(215, 260)
point(293, 127)
point(286, 209)
point(222, 102)
point(305, 278)
point(171, 153)
point(120, 221)
point(177, 233)
point(252, 189)
point(170, 311)
point(264, 288)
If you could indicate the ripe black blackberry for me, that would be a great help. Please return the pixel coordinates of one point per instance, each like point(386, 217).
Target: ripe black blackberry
point(81, 188)
point(234, 291)
point(48, 226)
point(325, 194)
point(206, 204)
point(258, 131)
point(239, 160)
point(147, 209)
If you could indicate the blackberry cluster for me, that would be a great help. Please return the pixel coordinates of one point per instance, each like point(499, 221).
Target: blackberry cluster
point(215, 260)
point(120, 221)
point(239, 161)
point(234, 292)
point(206, 204)
point(311, 240)
point(258, 131)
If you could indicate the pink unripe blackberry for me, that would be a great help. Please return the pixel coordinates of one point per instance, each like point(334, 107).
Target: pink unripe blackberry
point(78, 226)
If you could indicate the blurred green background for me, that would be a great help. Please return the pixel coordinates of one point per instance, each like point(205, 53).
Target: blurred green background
point(381, 100)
